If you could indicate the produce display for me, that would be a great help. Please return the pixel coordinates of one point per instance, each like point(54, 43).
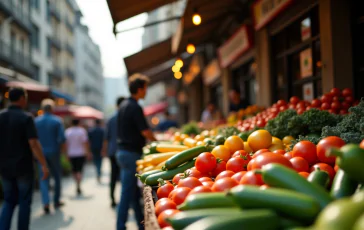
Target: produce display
point(285, 168)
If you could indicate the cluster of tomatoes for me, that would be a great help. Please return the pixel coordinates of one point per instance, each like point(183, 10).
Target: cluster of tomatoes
point(232, 164)
point(336, 101)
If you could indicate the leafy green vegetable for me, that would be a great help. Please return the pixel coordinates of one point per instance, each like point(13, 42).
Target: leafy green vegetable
point(191, 128)
point(228, 131)
point(281, 127)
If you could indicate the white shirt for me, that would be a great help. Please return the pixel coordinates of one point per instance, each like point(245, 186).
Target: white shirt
point(76, 138)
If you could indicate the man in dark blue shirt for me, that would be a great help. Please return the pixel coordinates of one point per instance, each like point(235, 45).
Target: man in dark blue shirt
point(96, 139)
point(167, 123)
point(18, 144)
point(111, 149)
point(133, 130)
point(51, 136)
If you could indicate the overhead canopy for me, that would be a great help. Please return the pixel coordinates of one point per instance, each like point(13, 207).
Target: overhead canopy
point(213, 13)
point(29, 86)
point(59, 94)
point(156, 108)
point(81, 112)
point(124, 9)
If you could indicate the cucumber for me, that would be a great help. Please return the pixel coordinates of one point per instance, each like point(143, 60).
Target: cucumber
point(185, 218)
point(206, 200)
point(288, 203)
point(146, 174)
point(169, 174)
point(319, 177)
point(276, 175)
point(343, 185)
point(184, 156)
point(250, 220)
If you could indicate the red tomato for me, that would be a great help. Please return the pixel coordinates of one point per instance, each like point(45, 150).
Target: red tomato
point(172, 193)
point(251, 165)
point(205, 162)
point(299, 164)
point(189, 182)
point(164, 205)
point(237, 164)
point(203, 179)
point(325, 106)
point(200, 189)
point(325, 167)
point(260, 151)
point(162, 218)
point(279, 151)
point(343, 111)
point(294, 100)
point(164, 190)
point(267, 158)
point(281, 102)
point(193, 172)
point(316, 103)
point(345, 105)
point(304, 174)
point(326, 98)
point(241, 153)
point(224, 174)
point(160, 200)
point(362, 144)
point(223, 184)
point(263, 187)
point(301, 105)
point(251, 178)
point(324, 145)
point(349, 99)
point(335, 91)
point(237, 176)
point(288, 155)
point(180, 195)
point(221, 166)
point(306, 150)
point(347, 92)
point(208, 184)
point(177, 177)
point(335, 105)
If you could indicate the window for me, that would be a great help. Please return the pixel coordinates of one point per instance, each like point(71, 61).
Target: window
point(36, 73)
point(48, 11)
point(35, 4)
point(49, 45)
point(35, 37)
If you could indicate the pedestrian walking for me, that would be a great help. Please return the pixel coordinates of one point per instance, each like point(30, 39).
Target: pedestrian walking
point(133, 130)
point(110, 147)
point(51, 136)
point(77, 150)
point(96, 139)
point(18, 144)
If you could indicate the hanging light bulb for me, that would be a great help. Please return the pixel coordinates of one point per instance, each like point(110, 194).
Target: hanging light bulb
point(190, 48)
point(178, 75)
point(196, 18)
point(179, 63)
point(175, 68)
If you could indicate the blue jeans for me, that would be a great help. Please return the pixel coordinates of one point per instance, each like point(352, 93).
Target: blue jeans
point(54, 165)
point(17, 190)
point(97, 159)
point(130, 192)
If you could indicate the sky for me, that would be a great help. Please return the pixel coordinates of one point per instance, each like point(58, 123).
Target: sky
point(96, 16)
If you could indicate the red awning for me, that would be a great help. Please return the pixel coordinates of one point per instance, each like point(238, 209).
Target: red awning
point(29, 86)
point(81, 112)
point(156, 108)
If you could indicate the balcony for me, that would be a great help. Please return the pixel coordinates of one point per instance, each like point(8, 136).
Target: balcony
point(70, 73)
point(69, 48)
point(57, 72)
point(16, 59)
point(55, 12)
point(69, 24)
point(20, 16)
point(56, 42)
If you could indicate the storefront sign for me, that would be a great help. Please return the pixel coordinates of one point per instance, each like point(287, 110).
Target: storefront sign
point(306, 29)
point(237, 44)
point(306, 63)
point(212, 72)
point(265, 11)
point(193, 70)
point(307, 90)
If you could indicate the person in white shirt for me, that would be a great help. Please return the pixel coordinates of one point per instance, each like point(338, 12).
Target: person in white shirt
point(208, 114)
point(77, 150)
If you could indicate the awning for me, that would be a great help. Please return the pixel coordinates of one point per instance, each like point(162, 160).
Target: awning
point(59, 94)
point(29, 86)
point(81, 112)
point(156, 108)
point(213, 13)
point(124, 9)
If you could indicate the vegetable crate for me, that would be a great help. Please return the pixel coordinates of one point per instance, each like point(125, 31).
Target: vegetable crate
point(150, 219)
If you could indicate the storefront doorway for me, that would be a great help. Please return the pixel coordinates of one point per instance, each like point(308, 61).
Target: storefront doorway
point(358, 47)
point(244, 79)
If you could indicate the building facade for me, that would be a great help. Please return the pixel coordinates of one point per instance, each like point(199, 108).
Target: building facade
point(88, 68)
point(15, 39)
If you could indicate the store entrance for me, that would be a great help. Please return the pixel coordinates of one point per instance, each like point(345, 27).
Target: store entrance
point(244, 79)
point(358, 47)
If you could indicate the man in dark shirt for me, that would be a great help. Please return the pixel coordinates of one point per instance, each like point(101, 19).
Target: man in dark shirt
point(18, 145)
point(236, 103)
point(133, 130)
point(96, 139)
point(110, 147)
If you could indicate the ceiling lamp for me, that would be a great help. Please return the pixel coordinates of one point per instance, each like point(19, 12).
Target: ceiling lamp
point(196, 18)
point(179, 63)
point(175, 68)
point(178, 75)
point(190, 48)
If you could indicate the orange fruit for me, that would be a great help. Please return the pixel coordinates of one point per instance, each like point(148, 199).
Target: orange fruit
point(234, 143)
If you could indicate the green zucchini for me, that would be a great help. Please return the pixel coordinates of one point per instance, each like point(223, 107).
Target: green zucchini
point(250, 220)
point(169, 174)
point(319, 177)
point(206, 200)
point(279, 176)
point(185, 218)
point(146, 174)
point(291, 204)
point(343, 185)
point(184, 156)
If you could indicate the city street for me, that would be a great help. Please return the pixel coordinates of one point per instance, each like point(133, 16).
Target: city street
point(91, 211)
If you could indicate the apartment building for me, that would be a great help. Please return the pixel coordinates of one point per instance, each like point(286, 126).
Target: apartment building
point(89, 81)
point(15, 36)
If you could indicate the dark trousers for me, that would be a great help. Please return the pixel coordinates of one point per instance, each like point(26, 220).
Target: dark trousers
point(97, 159)
point(114, 176)
point(17, 190)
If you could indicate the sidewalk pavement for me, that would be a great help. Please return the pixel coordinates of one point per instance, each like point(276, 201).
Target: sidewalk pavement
point(92, 211)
